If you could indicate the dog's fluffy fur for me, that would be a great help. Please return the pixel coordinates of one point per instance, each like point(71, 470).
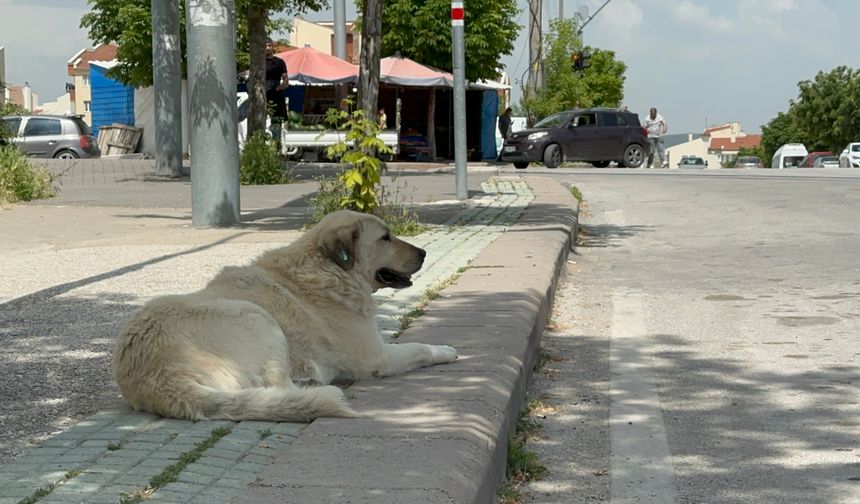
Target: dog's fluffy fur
point(300, 313)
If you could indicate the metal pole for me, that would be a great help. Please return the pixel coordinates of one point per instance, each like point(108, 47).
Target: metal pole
point(340, 28)
point(167, 83)
point(459, 61)
point(212, 105)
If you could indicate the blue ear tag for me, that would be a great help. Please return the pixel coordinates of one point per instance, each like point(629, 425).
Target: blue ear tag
point(344, 256)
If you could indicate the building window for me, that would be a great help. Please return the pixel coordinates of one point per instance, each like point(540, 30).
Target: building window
point(85, 80)
point(87, 105)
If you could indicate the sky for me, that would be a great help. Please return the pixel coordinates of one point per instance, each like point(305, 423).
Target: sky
point(700, 62)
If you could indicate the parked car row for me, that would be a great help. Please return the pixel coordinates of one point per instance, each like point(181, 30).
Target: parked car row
point(51, 136)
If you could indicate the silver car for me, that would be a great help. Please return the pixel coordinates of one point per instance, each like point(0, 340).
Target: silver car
point(51, 136)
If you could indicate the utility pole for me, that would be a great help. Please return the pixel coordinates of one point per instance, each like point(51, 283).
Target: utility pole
point(212, 106)
point(340, 28)
point(535, 47)
point(459, 66)
point(167, 84)
point(561, 10)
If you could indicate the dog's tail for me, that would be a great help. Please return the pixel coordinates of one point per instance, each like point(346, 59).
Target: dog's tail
point(280, 404)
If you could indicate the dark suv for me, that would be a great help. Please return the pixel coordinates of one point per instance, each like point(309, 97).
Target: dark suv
point(51, 136)
point(597, 136)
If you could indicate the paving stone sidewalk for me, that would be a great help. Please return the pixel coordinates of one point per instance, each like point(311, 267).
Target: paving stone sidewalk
point(116, 455)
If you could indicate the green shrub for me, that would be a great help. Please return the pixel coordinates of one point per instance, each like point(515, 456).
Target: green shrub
point(331, 192)
point(261, 163)
point(20, 180)
point(358, 150)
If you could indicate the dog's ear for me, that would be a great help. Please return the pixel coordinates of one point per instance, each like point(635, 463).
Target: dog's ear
point(340, 246)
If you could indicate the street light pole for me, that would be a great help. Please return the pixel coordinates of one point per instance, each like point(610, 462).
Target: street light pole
point(459, 64)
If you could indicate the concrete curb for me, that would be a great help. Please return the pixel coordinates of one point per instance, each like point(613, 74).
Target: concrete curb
point(440, 434)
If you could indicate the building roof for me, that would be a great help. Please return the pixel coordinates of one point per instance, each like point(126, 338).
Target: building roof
point(81, 60)
point(734, 144)
point(712, 129)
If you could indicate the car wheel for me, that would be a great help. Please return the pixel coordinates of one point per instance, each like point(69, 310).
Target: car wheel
point(552, 156)
point(66, 154)
point(521, 165)
point(634, 155)
point(600, 164)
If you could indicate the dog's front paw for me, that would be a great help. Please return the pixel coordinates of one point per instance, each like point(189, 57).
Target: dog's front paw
point(443, 354)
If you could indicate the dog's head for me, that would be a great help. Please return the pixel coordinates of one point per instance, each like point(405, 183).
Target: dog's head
point(362, 244)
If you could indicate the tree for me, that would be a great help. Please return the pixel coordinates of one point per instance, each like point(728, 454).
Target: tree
point(368, 77)
point(421, 30)
point(826, 109)
point(600, 85)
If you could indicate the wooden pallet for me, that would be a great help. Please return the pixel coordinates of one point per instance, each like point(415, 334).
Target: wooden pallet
point(119, 139)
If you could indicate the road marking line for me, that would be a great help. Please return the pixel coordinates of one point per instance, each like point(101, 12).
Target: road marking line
point(641, 463)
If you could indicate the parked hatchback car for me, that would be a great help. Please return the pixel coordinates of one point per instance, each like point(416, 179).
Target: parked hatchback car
point(826, 162)
point(51, 136)
point(692, 162)
point(597, 136)
point(748, 162)
point(809, 160)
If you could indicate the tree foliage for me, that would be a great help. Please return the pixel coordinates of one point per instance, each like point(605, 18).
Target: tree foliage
point(826, 109)
point(128, 23)
point(421, 30)
point(823, 117)
point(600, 85)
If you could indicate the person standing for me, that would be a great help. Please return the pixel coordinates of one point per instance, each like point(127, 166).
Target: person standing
point(505, 124)
point(504, 128)
point(277, 80)
point(656, 127)
point(381, 119)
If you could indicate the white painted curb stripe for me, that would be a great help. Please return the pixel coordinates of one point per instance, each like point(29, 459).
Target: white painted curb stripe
point(640, 462)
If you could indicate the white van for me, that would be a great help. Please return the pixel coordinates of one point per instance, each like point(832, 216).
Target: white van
point(788, 156)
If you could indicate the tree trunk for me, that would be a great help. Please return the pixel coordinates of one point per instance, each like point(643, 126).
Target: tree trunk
point(368, 77)
point(431, 123)
point(257, 17)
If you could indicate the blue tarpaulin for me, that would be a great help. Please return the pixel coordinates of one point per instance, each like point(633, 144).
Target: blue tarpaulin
point(489, 116)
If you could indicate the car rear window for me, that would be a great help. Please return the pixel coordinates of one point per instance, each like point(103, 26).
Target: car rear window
point(82, 126)
point(855, 148)
point(793, 160)
point(39, 126)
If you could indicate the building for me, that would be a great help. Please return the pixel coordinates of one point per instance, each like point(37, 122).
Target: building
point(23, 96)
point(716, 145)
point(79, 68)
point(320, 36)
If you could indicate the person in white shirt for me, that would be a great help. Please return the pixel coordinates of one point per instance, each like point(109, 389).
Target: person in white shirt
point(657, 127)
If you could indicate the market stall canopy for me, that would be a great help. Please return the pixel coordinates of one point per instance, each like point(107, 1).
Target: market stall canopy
point(310, 66)
point(401, 71)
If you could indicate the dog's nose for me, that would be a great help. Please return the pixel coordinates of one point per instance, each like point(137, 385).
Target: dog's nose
point(422, 253)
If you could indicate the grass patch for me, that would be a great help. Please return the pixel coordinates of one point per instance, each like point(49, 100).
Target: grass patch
point(264, 433)
point(171, 472)
point(523, 465)
point(113, 446)
point(429, 295)
point(576, 193)
point(47, 489)
point(260, 162)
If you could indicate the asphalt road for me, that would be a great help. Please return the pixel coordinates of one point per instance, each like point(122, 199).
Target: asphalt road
point(707, 341)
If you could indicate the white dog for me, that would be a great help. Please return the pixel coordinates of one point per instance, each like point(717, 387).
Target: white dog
point(301, 312)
